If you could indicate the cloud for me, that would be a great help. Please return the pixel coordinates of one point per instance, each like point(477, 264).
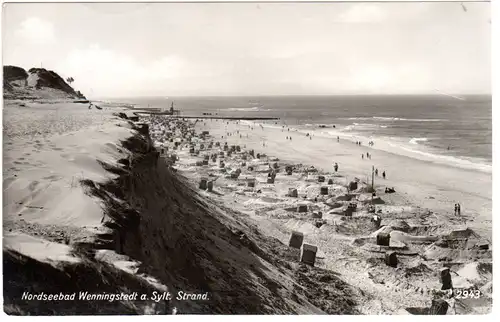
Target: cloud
point(363, 13)
point(37, 31)
point(101, 70)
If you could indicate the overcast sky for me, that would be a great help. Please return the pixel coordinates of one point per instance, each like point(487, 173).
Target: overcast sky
point(124, 50)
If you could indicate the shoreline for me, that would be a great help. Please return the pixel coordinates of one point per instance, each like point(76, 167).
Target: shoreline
point(444, 185)
point(82, 180)
point(399, 148)
point(344, 246)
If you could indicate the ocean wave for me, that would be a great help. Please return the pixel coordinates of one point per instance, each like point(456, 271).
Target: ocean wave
point(399, 146)
point(381, 118)
point(447, 159)
point(404, 119)
point(248, 109)
point(416, 140)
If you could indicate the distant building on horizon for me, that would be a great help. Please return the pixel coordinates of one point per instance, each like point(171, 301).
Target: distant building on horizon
point(173, 111)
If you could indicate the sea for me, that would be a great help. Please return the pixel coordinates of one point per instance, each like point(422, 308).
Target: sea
point(455, 131)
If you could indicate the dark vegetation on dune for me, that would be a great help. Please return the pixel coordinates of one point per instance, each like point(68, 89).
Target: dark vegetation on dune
point(186, 242)
point(26, 274)
point(13, 73)
point(15, 84)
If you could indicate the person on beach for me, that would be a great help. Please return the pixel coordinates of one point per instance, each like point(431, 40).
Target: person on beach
point(336, 167)
point(362, 157)
point(456, 209)
point(376, 172)
point(383, 174)
point(338, 139)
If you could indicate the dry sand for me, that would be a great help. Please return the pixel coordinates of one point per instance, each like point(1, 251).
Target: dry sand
point(347, 247)
point(235, 236)
point(419, 183)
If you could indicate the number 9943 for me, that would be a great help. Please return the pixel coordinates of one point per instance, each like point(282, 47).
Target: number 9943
point(466, 293)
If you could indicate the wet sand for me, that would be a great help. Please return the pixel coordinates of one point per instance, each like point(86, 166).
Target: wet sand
point(420, 183)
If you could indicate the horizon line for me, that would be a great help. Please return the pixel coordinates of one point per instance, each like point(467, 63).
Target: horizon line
point(296, 95)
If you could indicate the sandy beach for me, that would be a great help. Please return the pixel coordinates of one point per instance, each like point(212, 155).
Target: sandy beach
point(419, 183)
point(90, 187)
point(306, 158)
point(417, 224)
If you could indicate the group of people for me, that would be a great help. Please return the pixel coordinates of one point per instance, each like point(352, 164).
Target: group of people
point(371, 143)
point(368, 156)
point(383, 173)
point(457, 209)
point(389, 190)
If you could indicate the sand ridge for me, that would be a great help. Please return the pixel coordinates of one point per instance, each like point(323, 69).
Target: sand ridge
point(344, 245)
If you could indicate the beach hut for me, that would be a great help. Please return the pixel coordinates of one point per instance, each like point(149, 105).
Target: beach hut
point(308, 254)
point(445, 275)
point(302, 208)
point(251, 183)
point(324, 191)
point(330, 181)
point(321, 178)
point(205, 162)
point(383, 239)
point(296, 239)
point(317, 214)
point(270, 180)
point(199, 163)
point(391, 259)
point(203, 184)
point(292, 192)
point(353, 185)
point(210, 186)
point(438, 307)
